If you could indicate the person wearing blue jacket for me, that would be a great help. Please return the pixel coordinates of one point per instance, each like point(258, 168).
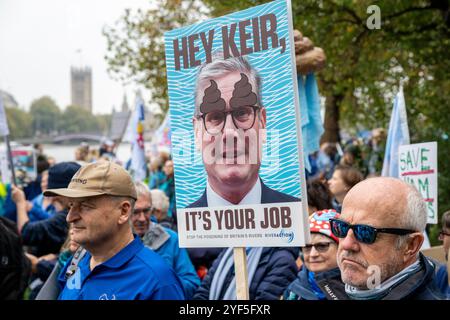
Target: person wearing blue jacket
point(162, 240)
point(48, 235)
point(270, 270)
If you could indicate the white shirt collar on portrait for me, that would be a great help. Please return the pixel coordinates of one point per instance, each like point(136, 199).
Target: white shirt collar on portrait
point(253, 197)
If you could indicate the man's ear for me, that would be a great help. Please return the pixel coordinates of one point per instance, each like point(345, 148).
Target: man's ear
point(413, 245)
point(197, 124)
point(263, 118)
point(125, 211)
point(263, 122)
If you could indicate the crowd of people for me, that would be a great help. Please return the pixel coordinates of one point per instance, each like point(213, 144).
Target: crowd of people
point(85, 230)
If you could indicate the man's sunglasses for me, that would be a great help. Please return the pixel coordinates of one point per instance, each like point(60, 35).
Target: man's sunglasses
point(320, 247)
point(363, 233)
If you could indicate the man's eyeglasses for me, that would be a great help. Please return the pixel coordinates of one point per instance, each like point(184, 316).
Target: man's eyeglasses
point(320, 247)
point(363, 233)
point(243, 118)
point(146, 211)
point(442, 235)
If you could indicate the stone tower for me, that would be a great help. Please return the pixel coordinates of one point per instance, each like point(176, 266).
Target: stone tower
point(81, 85)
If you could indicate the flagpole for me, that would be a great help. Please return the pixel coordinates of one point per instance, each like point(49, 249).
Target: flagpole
point(11, 164)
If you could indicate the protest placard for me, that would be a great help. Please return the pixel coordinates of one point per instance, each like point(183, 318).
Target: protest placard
point(236, 139)
point(24, 163)
point(418, 167)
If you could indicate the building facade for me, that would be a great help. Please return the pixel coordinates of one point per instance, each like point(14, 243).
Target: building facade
point(81, 85)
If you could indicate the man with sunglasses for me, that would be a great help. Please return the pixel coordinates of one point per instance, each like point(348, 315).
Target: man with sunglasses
point(381, 232)
point(162, 240)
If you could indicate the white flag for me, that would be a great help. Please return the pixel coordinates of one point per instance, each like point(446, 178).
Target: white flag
point(4, 130)
point(398, 135)
point(138, 164)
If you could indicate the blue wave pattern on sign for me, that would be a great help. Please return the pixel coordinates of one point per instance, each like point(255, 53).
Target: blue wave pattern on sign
point(280, 166)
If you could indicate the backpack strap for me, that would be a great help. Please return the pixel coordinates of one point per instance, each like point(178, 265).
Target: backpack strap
point(50, 290)
point(77, 256)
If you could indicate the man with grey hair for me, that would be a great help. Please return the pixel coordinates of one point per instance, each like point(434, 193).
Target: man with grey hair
point(381, 230)
point(229, 126)
point(160, 209)
point(162, 240)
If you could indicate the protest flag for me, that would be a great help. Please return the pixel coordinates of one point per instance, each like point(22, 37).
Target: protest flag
point(4, 131)
point(137, 164)
point(311, 121)
point(398, 135)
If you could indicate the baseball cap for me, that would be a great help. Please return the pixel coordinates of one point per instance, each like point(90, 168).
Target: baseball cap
point(60, 175)
point(96, 179)
point(319, 222)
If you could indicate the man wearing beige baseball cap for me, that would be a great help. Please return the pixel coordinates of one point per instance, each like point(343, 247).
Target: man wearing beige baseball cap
point(116, 266)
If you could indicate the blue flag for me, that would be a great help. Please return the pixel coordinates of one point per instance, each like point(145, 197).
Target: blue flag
point(398, 135)
point(311, 121)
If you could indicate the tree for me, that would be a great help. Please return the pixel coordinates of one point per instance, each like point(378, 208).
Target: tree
point(136, 44)
point(19, 123)
point(103, 123)
point(364, 66)
point(45, 114)
point(76, 119)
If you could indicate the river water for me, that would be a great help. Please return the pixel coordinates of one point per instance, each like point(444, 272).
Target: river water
point(67, 152)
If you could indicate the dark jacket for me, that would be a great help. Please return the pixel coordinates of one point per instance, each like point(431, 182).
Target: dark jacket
point(47, 236)
point(301, 288)
point(419, 286)
point(267, 196)
point(205, 256)
point(442, 280)
point(276, 269)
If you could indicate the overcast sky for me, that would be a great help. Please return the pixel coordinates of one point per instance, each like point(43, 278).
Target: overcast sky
point(39, 42)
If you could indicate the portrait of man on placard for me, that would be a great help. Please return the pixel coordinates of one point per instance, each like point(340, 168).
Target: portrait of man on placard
point(230, 123)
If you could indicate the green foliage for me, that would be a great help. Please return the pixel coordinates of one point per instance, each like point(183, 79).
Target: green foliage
point(364, 67)
point(45, 119)
point(136, 44)
point(104, 122)
point(76, 119)
point(45, 114)
point(19, 123)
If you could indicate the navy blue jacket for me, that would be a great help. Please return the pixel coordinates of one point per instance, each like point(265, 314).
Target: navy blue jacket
point(47, 236)
point(205, 256)
point(276, 269)
point(267, 196)
point(301, 288)
point(442, 280)
point(419, 286)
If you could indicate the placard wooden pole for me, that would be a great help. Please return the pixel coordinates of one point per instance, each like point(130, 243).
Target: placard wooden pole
point(240, 270)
